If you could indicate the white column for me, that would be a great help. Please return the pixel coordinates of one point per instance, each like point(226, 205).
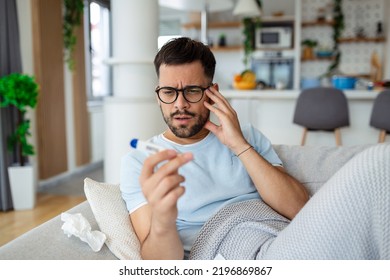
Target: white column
point(297, 44)
point(386, 27)
point(132, 112)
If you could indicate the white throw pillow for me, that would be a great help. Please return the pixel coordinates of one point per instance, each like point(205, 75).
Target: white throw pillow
point(113, 219)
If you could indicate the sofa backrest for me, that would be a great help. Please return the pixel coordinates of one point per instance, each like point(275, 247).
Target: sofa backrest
point(314, 165)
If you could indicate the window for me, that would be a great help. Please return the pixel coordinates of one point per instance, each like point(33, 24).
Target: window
point(99, 74)
point(169, 27)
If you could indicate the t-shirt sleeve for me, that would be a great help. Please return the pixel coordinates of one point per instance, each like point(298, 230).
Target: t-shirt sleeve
point(130, 187)
point(261, 144)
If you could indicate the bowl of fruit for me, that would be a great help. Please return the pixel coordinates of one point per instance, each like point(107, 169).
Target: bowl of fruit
point(245, 80)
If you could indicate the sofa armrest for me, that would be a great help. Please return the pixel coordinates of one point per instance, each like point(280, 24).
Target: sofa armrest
point(314, 165)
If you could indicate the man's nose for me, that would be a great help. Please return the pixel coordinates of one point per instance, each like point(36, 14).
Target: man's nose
point(181, 102)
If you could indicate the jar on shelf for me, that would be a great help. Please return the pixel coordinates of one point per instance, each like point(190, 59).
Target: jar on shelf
point(321, 14)
point(329, 12)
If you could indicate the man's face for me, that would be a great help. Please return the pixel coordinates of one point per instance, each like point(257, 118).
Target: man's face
point(184, 119)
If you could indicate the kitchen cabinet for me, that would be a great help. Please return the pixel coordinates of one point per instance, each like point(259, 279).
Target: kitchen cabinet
point(271, 111)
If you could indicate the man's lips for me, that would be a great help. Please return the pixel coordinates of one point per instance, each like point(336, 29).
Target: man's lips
point(182, 117)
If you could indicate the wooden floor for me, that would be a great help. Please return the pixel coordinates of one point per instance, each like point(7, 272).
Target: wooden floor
point(15, 223)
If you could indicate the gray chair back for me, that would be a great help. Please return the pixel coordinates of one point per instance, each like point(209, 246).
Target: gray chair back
point(380, 114)
point(322, 108)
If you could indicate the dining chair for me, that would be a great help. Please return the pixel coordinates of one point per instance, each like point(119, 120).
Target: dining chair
point(380, 114)
point(322, 109)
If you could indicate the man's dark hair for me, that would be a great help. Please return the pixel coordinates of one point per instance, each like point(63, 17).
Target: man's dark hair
point(185, 50)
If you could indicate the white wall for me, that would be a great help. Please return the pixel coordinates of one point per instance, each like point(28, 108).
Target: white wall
point(26, 47)
point(96, 120)
point(272, 6)
point(26, 50)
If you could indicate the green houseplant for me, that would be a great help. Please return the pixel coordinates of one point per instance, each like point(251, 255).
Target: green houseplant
point(249, 27)
point(338, 28)
point(309, 43)
point(71, 19)
point(250, 24)
point(20, 91)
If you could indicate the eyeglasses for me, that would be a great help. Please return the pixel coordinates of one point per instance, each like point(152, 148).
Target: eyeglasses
point(192, 94)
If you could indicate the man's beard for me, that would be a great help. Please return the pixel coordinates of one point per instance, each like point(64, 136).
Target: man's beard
point(184, 131)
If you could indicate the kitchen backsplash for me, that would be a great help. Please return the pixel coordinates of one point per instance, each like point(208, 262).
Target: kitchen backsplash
point(355, 58)
point(358, 14)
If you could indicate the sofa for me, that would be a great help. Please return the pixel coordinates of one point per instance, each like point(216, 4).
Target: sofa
point(104, 209)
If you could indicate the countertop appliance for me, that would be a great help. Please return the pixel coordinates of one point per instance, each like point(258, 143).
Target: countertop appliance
point(274, 69)
point(276, 37)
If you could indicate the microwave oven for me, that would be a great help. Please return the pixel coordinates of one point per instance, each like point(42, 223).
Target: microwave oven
point(278, 37)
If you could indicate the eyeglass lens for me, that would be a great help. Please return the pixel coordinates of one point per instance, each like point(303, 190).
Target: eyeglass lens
point(191, 94)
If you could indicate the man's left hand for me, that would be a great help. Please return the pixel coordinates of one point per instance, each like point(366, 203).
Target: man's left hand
point(229, 131)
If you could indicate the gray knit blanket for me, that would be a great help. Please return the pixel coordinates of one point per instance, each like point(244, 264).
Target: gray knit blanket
point(348, 218)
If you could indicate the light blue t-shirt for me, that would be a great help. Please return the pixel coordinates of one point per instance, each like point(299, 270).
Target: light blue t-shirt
point(214, 178)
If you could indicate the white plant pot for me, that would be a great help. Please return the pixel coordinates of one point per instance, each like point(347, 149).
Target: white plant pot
point(22, 187)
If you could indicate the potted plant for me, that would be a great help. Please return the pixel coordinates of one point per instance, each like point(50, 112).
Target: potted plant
point(338, 27)
point(249, 27)
point(20, 91)
point(222, 40)
point(73, 12)
point(308, 48)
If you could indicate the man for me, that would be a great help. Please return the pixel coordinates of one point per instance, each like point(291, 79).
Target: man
point(206, 166)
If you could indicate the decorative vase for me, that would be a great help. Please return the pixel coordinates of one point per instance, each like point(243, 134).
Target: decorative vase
point(308, 53)
point(22, 187)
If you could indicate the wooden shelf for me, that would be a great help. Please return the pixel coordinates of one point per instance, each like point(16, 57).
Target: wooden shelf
point(362, 40)
point(274, 49)
point(284, 18)
point(225, 48)
point(317, 23)
point(330, 58)
point(212, 25)
point(361, 75)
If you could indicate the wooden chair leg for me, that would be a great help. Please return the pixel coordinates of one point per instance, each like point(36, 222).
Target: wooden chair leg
point(303, 141)
point(382, 136)
point(337, 135)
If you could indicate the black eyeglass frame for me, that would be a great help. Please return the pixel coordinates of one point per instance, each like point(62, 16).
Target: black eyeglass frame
point(157, 90)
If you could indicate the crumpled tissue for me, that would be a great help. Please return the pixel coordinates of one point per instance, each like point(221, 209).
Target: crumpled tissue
point(78, 225)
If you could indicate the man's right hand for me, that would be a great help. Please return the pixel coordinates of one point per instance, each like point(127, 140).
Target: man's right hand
point(155, 222)
point(161, 186)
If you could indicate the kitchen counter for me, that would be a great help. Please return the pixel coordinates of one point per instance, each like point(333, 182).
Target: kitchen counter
point(291, 94)
point(272, 111)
